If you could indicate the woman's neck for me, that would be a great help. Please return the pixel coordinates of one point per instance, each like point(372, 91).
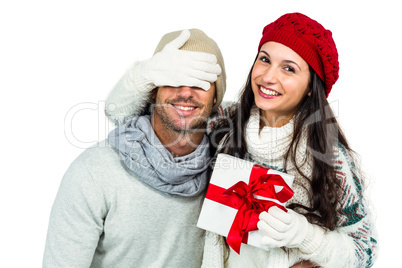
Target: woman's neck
point(273, 120)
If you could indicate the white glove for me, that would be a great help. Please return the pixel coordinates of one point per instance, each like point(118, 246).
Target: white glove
point(289, 229)
point(174, 67)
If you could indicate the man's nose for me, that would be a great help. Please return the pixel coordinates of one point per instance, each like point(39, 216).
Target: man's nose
point(185, 91)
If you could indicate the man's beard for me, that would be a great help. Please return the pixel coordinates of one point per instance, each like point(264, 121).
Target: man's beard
point(190, 124)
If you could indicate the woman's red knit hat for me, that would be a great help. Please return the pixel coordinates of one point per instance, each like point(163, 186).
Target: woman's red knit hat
point(310, 40)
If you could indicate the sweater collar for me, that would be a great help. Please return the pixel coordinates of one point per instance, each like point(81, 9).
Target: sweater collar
point(269, 144)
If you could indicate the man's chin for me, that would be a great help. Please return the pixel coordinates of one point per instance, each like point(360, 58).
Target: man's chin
point(188, 128)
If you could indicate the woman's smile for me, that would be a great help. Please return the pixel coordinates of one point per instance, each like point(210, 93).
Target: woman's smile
point(268, 93)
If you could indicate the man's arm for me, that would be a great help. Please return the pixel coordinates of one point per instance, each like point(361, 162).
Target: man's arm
point(76, 220)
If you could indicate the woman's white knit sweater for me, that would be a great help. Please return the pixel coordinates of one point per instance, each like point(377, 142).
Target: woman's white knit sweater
point(351, 244)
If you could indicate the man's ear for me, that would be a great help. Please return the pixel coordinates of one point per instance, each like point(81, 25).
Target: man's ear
point(153, 94)
point(216, 94)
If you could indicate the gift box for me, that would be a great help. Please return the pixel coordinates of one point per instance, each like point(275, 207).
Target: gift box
point(238, 192)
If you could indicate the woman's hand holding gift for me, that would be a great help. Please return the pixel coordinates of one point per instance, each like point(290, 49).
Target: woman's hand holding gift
point(289, 229)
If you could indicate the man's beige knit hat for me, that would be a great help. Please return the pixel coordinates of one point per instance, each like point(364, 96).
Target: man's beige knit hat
point(200, 42)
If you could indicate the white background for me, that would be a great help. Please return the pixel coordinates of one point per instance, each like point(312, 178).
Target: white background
point(55, 55)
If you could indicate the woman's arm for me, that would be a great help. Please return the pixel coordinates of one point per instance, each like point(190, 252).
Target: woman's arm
point(351, 244)
point(170, 67)
point(354, 242)
point(305, 264)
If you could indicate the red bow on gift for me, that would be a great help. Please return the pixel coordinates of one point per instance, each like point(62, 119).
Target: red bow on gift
point(242, 196)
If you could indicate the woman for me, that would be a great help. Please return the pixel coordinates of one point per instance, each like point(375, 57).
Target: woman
point(283, 120)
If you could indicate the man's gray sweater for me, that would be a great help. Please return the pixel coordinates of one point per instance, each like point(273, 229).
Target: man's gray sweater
point(104, 217)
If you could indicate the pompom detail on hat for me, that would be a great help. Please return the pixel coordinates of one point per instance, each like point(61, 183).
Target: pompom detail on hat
point(310, 40)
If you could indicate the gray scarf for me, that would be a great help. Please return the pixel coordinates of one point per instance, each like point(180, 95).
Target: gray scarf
point(143, 153)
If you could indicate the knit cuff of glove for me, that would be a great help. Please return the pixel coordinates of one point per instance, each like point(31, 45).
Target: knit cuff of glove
point(139, 76)
point(313, 239)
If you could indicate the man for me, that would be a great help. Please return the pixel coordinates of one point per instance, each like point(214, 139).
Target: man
point(135, 202)
point(132, 93)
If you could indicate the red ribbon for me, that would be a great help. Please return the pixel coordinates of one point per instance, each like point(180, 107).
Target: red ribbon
point(241, 197)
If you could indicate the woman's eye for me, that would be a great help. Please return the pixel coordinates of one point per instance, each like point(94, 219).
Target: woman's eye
point(264, 59)
point(290, 69)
